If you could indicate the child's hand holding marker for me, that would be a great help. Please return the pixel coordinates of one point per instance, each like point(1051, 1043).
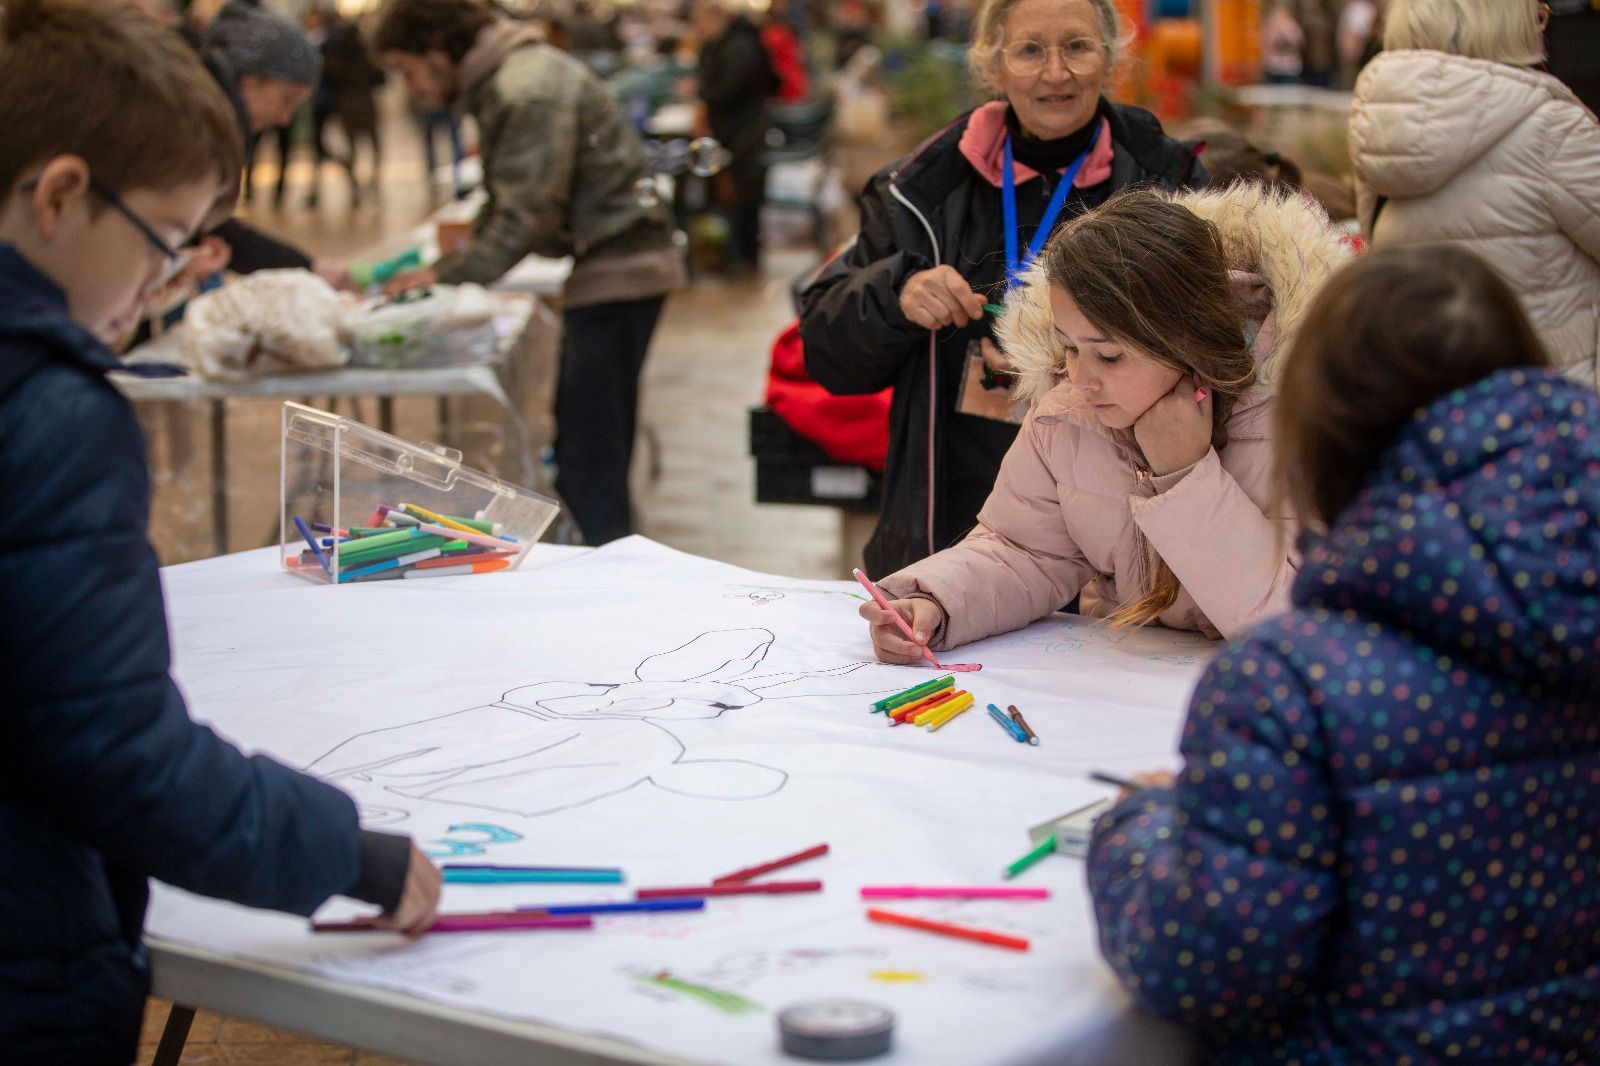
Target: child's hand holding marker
point(892, 646)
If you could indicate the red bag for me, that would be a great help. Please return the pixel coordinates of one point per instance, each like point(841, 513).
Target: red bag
point(851, 429)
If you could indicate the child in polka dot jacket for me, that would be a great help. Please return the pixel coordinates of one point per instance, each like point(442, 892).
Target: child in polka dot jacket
point(1382, 845)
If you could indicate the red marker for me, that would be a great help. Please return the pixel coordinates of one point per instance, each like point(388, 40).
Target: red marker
point(738, 888)
point(961, 932)
point(766, 868)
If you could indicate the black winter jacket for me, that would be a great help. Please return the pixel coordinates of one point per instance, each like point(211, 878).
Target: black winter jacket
point(104, 779)
point(927, 209)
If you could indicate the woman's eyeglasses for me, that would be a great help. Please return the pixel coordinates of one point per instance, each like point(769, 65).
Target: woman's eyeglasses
point(1080, 56)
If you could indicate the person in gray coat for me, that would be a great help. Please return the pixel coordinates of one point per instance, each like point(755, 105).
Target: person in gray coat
point(566, 175)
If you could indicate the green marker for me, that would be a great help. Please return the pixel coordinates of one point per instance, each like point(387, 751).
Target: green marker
point(995, 309)
point(1045, 847)
point(348, 558)
point(911, 695)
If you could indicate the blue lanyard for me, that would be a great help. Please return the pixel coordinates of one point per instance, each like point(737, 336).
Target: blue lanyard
point(1008, 201)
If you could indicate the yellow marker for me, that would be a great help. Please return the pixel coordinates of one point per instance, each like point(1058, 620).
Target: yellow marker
point(438, 519)
point(895, 976)
point(923, 717)
point(952, 709)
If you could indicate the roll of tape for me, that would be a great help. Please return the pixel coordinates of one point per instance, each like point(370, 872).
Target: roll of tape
point(836, 1030)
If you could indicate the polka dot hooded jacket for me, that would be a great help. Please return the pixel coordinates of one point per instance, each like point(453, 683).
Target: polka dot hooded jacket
point(1382, 847)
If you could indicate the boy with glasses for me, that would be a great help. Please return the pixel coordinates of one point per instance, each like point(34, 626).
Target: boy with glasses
point(117, 148)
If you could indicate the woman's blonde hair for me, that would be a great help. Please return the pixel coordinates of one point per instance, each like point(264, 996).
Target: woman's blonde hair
point(1501, 31)
point(1154, 275)
point(988, 37)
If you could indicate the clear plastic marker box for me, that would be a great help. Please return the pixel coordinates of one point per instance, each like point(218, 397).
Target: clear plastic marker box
point(443, 518)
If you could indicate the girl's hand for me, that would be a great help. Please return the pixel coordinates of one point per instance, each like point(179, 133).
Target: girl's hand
point(934, 299)
point(1176, 431)
point(1150, 779)
point(889, 642)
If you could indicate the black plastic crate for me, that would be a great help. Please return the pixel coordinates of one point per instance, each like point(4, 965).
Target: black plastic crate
point(791, 469)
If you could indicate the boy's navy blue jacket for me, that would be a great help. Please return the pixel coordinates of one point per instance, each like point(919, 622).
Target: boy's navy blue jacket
point(104, 779)
point(1385, 844)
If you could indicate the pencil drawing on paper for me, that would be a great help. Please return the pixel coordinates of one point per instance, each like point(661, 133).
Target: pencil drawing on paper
point(558, 745)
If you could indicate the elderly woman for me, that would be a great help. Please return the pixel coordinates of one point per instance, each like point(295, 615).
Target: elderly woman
point(943, 229)
point(1458, 138)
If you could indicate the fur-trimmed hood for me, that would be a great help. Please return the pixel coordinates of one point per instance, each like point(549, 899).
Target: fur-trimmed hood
point(1280, 248)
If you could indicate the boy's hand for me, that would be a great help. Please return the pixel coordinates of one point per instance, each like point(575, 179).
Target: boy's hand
point(1176, 431)
point(411, 279)
point(419, 900)
point(889, 642)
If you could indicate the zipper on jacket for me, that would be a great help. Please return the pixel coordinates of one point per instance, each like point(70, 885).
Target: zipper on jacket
point(933, 365)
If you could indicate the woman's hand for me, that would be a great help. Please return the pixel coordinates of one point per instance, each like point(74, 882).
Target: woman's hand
point(1176, 431)
point(889, 642)
point(411, 279)
point(934, 299)
point(419, 900)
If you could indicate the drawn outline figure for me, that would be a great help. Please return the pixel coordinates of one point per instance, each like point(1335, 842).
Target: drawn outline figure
point(559, 745)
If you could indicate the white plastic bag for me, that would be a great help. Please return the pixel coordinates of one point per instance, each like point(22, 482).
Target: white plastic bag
point(269, 322)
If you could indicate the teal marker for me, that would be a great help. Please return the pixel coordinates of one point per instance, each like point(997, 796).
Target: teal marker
point(481, 876)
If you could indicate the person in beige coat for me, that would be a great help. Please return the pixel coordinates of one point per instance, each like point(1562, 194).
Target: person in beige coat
point(1145, 335)
point(1456, 139)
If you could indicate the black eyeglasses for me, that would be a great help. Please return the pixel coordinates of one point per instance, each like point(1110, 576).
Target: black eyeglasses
point(175, 260)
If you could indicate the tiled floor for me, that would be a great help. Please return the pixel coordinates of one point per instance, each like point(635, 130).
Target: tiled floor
point(694, 479)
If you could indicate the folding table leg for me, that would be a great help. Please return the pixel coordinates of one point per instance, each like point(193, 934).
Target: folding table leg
point(174, 1036)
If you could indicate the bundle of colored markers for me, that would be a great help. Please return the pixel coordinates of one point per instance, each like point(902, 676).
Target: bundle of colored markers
point(406, 542)
point(931, 704)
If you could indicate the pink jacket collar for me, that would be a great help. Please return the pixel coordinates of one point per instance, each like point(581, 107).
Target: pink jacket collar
point(983, 143)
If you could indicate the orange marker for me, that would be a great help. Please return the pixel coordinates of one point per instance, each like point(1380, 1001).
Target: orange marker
point(900, 714)
point(465, 568)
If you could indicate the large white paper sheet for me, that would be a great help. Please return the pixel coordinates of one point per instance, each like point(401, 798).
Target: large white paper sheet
point(680, 718)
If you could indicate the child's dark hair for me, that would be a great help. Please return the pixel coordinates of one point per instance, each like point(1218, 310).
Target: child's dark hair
point(101, 80)
point(1386, 336)
point(417, 27)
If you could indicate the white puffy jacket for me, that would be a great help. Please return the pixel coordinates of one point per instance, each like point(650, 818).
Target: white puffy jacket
point(1499, 159)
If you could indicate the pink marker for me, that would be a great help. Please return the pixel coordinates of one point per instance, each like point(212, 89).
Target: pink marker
point(905, 627)
point(923, 892)
point(1199, 395)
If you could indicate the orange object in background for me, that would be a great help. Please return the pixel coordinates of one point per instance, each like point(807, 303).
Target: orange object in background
point(1175, 50)
point(1235, 41)
point(453, 236)
point(1128, 77)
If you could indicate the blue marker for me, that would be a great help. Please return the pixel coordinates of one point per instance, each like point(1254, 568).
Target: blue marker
point(645, 905)
point(1011, 727)
point(300, 524)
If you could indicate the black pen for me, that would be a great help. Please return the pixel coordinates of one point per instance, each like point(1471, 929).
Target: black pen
point(1114, 781)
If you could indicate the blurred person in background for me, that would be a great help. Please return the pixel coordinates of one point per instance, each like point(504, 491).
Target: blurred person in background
point(566, 175)
point(1283, 45)
point(348, 92)
point(734, 80)
point(1457, 137)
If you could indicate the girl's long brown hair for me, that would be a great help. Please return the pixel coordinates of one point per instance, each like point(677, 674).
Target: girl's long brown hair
point(1387, 335)
point(1153, 275)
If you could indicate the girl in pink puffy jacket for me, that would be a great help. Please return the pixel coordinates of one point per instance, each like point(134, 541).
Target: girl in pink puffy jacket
point(1144, 335)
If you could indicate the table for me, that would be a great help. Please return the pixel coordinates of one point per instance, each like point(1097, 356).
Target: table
point(499, 381)
point(936, 808)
